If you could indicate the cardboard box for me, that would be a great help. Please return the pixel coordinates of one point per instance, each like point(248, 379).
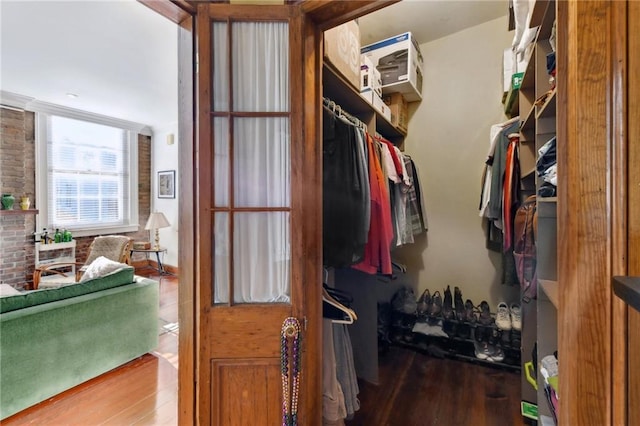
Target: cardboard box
point(377, 103)
point(369, 76)
point(400, 63)
point(342, 50)
point(399, 110)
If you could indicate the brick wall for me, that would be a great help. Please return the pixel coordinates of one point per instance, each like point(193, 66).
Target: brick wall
point(17, 176)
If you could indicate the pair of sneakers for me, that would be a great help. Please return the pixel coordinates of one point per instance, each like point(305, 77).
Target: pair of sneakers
point(508, 317)
point(488, 352)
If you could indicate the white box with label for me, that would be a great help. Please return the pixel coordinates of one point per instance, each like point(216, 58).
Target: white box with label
point(378, 104)
point(370, 76)
point(400, 63)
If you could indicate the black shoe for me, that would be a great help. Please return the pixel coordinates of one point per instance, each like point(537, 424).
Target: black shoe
point(436, 305)
point(447, 306)
point(458, 304)
point(424, 303)
point(469, 311)
point(485, 314)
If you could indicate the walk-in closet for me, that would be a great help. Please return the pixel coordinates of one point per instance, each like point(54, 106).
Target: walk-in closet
point(426, 160)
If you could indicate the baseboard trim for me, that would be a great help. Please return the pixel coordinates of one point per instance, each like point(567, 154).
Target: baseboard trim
point(173, 270)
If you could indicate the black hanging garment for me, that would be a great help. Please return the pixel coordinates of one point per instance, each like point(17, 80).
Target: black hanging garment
point(344, 195)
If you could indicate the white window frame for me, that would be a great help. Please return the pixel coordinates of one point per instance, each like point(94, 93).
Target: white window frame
point(43, 111)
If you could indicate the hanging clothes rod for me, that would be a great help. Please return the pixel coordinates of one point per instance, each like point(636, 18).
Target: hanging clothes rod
point(337, 109)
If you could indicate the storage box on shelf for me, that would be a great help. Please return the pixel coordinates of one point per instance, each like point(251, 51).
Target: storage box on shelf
point(511, 105)
point(369, 77)
point(342, 50)
point(399, 110)
point(377, 103)
point(400, 63)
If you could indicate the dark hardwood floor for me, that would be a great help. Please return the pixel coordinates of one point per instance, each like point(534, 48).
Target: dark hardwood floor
point(414, 389)
point(420, 390)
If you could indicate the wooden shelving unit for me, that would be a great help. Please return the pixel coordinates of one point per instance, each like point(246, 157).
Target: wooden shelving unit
point(548, 109)
point(537, 128)
point(550, 288)
point(66, 255)
point(336, 88)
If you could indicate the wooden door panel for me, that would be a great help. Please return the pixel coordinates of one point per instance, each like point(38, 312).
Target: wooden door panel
point(244, 391)
point(259, 338)
point(238, 345)
point(239, 342)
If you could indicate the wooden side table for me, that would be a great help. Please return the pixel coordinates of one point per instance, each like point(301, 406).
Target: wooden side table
point(157, 251)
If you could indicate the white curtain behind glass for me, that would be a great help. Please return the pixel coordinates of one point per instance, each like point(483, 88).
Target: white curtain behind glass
point(261, 66)
point(261, 162)
point(220, 67)
point(261, 257)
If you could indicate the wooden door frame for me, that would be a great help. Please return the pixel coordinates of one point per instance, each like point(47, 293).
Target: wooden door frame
point(592, 210)
point(632, 328)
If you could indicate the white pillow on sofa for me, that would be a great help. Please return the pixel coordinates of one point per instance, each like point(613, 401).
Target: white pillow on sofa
point(7, 290)
point(101, 267)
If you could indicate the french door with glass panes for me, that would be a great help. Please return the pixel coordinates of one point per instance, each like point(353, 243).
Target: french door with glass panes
point(251, 225)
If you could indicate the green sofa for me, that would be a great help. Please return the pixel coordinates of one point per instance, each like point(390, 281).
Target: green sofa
point(52, 340)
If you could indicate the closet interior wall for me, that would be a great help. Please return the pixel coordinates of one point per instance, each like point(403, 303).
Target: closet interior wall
point(448, 138)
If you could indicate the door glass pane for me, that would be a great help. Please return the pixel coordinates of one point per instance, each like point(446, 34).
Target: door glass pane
point(221, 161)
point(221, 260)
point(261, 162)
point(220, 66)
point(261, 66)
point(261, 255)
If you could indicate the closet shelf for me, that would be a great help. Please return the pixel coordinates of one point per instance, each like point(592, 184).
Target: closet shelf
point(537, 14)
point(528, 124)
point(343, 94)
point(549, 15)
point(548, 109)
point(547, 199)
point(529, 77)
point(528, 173)
point(550, 288)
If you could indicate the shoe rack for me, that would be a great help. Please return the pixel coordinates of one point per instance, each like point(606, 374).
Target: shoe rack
point(537, 110)
point(458, 342)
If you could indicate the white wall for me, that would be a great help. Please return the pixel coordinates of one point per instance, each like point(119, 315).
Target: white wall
point(165, 157)
point(448, 138)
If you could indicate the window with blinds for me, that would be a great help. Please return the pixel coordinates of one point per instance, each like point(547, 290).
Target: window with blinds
point(88, 174)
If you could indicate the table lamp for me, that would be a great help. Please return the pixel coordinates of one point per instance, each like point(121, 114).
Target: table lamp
point(157, 221)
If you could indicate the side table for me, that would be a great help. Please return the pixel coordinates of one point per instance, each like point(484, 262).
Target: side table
point(157, 251)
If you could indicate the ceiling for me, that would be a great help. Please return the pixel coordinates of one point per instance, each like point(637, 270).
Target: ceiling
point(120, 58)
point(428, 20)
